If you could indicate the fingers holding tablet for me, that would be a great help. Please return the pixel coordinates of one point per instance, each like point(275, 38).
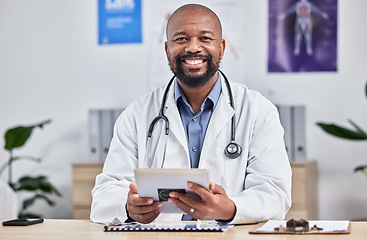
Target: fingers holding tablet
point(143, 210)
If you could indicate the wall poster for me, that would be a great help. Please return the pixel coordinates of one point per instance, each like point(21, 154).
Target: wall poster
point(119, 21)
point(302, 35)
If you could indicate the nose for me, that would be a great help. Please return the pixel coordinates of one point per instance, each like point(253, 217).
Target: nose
point(193, 46)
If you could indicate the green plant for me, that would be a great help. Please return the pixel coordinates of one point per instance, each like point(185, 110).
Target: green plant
point(15, 138)
point(356, 134)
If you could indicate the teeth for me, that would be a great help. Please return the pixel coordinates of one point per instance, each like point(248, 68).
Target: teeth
point(194, 62)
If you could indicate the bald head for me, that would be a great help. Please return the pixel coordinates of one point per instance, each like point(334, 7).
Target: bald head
point(190, 8)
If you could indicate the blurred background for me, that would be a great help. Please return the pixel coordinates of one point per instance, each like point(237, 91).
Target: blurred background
point(52, 67)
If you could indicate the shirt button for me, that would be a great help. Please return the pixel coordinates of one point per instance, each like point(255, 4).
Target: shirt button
point(194, 149)
point(194, 119)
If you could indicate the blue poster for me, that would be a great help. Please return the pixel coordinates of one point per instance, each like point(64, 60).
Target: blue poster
point(119, 21)
point(302, 35)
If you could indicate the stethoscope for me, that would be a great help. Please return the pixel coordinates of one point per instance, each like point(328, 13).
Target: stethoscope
point(232, 150)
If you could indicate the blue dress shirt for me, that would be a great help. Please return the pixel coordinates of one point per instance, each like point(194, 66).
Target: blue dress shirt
point(195, 125)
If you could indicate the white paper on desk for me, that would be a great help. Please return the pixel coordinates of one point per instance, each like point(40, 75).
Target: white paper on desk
point(327, 226)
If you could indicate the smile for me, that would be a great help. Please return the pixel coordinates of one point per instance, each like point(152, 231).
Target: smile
point(194, 61)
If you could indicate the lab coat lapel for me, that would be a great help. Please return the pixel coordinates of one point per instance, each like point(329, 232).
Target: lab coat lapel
point(175, 123)
point(220, 118)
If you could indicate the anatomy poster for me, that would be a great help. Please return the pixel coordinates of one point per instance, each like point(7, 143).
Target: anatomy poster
point(302, 35)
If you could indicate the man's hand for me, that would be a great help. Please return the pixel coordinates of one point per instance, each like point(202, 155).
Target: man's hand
point(214, 204)
point(142, 210)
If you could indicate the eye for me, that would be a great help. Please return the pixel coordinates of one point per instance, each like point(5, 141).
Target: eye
point(206, 39)
point(180, 39)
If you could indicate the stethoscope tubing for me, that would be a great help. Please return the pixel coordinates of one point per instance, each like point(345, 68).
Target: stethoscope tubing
point(163, 117)
point(231, 102)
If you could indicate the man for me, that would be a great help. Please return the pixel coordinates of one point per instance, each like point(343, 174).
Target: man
point(253, 187)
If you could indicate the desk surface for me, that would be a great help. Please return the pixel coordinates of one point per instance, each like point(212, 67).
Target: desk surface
point(84, 229)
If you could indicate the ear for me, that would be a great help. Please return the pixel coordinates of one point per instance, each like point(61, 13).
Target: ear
point(166, 48)
point(222, 47)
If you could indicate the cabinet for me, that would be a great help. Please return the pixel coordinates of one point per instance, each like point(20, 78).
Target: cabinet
point(304, 189)
point(84, 176)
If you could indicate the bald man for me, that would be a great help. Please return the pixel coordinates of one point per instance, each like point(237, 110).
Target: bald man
point(253, 186)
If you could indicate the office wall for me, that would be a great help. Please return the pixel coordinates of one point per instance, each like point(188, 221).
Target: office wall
point(328, 97)
point(52, 67)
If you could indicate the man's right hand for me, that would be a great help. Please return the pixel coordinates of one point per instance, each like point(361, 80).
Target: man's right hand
point(142, 210)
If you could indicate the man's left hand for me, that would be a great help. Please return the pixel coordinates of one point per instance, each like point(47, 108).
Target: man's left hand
point(214, 204)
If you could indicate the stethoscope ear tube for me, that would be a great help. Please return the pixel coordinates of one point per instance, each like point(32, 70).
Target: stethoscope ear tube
point(161, 114)
point(155, 120)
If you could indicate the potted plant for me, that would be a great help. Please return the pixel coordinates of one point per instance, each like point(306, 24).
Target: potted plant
point(40, 186)
point(356, 134)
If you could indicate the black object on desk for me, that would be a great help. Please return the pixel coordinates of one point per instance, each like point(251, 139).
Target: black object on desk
point(23, 221)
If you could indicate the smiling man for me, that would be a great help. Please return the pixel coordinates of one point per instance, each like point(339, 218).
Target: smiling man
point(223, 127)
point(194, 48)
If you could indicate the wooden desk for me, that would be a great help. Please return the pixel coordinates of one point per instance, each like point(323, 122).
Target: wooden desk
point(304, 189)
point(85, 230)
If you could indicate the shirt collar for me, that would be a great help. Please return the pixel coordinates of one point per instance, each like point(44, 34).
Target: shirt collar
point(213, 95)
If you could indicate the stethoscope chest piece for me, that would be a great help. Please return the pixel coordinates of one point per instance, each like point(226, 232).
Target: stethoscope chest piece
point(233, 150)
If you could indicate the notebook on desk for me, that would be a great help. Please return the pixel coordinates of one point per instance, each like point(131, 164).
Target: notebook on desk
point(200, 226)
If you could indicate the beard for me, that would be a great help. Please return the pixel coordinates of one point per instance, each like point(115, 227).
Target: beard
point(194, 81)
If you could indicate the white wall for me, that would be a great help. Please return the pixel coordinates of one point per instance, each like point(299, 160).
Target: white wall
point(52, 67)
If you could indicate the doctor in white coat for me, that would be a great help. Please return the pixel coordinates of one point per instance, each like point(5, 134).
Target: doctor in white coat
point(253, 187)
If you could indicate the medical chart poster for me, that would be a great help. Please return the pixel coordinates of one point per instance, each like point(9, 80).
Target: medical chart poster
point(302, 36)
point(119, 21)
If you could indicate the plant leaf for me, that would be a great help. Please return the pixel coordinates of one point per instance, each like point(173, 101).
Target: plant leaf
point(360, 168)
point(28, 202)
point(360, 130)
point(29, 183)
point(342, 132)
point(18, 136)
point(40, 183)
point(47, 187)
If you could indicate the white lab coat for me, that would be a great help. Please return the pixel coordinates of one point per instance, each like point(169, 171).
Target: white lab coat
point(258, 181)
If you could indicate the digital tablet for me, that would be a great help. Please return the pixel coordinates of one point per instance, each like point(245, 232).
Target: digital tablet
point(158, 183)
